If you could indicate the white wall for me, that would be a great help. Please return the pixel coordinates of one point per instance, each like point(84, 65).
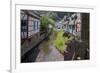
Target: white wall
point(5, 36)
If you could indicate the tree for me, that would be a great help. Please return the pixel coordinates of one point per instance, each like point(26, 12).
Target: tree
point(45, 21)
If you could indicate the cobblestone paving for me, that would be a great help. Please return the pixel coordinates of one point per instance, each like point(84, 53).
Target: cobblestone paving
point(50, 53)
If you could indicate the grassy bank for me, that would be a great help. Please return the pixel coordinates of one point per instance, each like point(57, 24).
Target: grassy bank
point(59, 41)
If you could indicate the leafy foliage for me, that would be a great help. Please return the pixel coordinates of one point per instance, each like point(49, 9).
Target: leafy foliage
point(45, 21)
point(59, 42)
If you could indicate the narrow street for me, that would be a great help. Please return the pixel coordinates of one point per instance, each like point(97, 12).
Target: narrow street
point(48, 52)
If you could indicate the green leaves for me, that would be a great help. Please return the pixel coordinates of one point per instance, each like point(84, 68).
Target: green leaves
point(45, 21)
point(59, 42)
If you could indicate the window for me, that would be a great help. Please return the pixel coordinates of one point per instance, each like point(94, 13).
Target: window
point(35, 25)
point(23, 25)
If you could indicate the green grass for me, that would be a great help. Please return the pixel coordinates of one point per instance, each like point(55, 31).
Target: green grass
point(59, 41)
